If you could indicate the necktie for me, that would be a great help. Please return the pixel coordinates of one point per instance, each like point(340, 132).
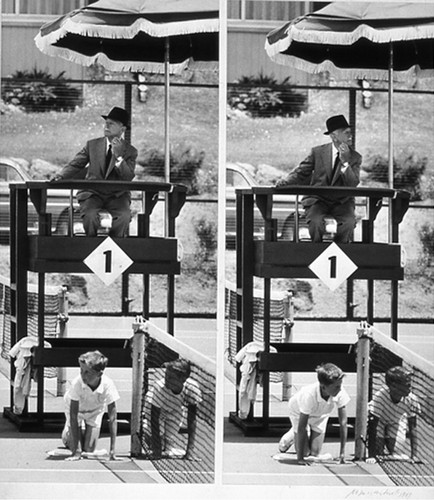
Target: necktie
point(108, 156)
point(335, 165)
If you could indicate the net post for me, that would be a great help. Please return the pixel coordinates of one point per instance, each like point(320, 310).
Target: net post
point(138, 361)
point(288, 323)
point(363, 348)
point(62, 317)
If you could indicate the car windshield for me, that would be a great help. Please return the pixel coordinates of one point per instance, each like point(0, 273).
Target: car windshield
point(236, 179)
point(8, 174)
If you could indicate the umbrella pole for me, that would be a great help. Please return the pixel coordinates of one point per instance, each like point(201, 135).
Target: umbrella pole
point(390, 111)
point(390, 133)
point(169, 224)
point(166, 130)
point(392, 238)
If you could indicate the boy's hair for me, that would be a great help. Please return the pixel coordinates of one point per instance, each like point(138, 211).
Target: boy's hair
point(398, 375)
point(328, 373)
point(181, 366)
point(94, 360)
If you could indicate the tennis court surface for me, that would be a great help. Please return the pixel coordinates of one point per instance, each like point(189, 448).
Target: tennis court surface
point(249, 459)
point(250, 466)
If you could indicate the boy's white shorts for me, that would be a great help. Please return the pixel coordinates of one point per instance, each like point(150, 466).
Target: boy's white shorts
point(93, 419)
point(317, 424)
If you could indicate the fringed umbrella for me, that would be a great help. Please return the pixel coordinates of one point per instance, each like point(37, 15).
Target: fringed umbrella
point(383, 41)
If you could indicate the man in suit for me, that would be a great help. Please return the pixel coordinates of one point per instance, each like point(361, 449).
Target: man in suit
point(333, 164)
point(105, 158)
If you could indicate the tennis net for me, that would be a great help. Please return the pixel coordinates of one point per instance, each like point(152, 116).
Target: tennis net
point(385, 353)
point(178, 409)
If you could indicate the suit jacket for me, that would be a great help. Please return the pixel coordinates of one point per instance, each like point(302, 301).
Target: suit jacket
point(89, 164)
point(317, 169)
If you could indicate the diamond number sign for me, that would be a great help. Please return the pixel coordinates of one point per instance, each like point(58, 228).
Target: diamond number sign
point(108, 261)
point(333, 266)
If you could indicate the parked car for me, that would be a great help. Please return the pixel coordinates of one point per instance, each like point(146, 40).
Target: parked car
point(58, 202)
point(237, 177)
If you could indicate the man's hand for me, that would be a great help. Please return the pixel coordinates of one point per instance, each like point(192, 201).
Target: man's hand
point(118, 147)
point(56, 177)
point(344, 152)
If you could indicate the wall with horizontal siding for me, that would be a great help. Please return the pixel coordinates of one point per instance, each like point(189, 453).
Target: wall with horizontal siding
point(247, 56)
point(19, 52)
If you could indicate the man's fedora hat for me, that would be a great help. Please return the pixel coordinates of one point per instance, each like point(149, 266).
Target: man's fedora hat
point(335, 123)
point(119, 115)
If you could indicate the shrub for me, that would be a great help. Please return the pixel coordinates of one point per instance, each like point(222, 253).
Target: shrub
point(263, 96)
point(426, 235)
point(39, 91)
point(185, 162)
point(206, 231)
point(407, 172)
point(427, 187)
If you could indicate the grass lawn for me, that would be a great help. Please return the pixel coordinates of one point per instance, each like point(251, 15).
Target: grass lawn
point(57, 137)
point(284, 142)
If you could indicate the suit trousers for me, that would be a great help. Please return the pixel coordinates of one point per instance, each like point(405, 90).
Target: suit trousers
point(117, 206)
point(344, 213)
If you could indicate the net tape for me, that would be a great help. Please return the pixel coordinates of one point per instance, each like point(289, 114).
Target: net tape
point(198, 394)
point(51, 311)
point(386, 353)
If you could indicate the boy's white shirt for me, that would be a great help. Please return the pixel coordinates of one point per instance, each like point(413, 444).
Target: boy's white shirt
point(170, 404)
point(92, 404)
point(385, 409)
point(308, 400)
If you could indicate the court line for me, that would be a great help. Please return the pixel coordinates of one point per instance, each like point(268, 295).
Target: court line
point(345, 478)
point(97, 469)
point(295, 474)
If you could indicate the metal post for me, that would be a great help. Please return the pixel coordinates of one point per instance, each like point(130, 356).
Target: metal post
point(363, 345)
point(352, 113)
point(41, 342)
point(138, 364)
point(350, 282)
point(128, 93)
point(288, 323)
point(63, 333)
point(266, 374)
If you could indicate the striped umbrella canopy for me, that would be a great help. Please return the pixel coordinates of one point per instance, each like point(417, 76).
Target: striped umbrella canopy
point(378, 40)
point(138, 35)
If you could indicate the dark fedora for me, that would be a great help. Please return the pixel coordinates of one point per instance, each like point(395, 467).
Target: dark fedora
point(335, 123)
point(119, 115)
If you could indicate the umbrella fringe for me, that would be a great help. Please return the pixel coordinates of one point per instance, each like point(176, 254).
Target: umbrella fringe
point(134, 66)
point(141, 25)
point(348, 73)
point(292, 32)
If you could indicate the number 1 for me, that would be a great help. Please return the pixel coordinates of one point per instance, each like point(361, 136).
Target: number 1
point(108, 261)
point(332, 260)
